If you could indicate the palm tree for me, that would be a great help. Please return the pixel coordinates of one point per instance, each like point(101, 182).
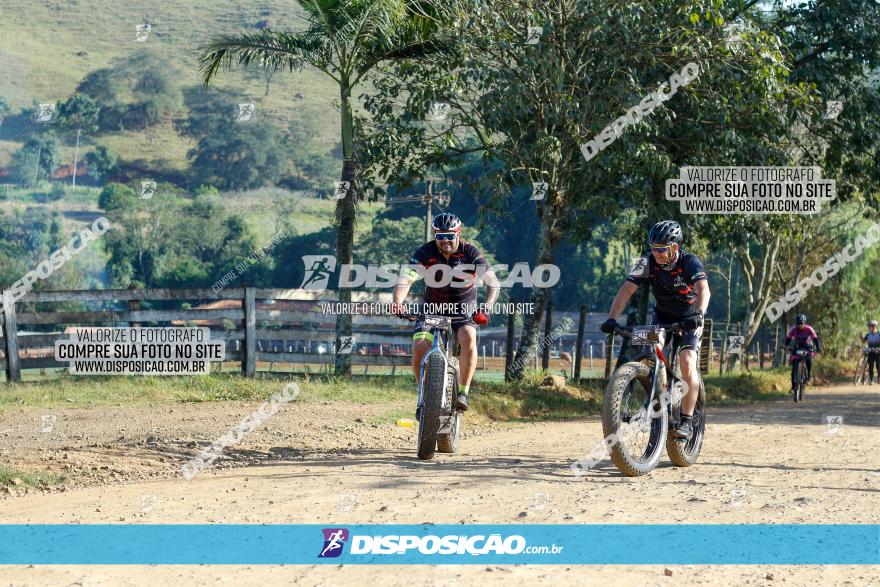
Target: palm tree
point(345, 39)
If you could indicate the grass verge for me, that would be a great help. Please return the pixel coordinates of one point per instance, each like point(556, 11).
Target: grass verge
point(525, 400)
point(16, 478)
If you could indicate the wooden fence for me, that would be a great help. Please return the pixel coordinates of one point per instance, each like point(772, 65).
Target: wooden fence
point(19, 346)
point(247, 307)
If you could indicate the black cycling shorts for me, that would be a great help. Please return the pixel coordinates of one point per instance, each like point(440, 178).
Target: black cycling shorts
point(690, 339)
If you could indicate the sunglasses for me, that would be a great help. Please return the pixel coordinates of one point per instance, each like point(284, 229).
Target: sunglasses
point(660, 249)
point(445, 236)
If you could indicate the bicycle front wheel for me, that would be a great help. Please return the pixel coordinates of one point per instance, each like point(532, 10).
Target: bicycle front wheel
point(861, 370)
point(429, 417)
point(634, 430)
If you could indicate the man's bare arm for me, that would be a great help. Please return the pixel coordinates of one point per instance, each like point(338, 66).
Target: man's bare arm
point(625, 292)
point(701, 288)
point(493, 286)
point(401, 290)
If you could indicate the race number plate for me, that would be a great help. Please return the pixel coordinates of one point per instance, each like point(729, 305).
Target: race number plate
point(648, 335)
point(438, 321)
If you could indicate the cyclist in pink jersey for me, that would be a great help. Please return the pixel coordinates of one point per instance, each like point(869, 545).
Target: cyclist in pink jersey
point(801, 337)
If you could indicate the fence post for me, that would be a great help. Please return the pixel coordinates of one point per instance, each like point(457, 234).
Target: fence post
point(10, 338)
point(609, 353)
point(761, 344)
point(706, 346)
point(548, 323)
point(776, 354)
point(249, 361)
point(508, 351)
point(582, 322)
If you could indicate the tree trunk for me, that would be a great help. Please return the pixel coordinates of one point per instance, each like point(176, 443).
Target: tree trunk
point(548, 237)
point(731, 360)
point(345, 226)
point(759, 279)
point(76, 156)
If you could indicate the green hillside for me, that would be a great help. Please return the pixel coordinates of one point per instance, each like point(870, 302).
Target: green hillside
point(47, 48)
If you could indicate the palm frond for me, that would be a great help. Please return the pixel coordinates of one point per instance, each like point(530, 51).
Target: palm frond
point(268, 49)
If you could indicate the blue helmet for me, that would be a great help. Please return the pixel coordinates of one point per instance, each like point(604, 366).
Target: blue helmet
point(665, 232)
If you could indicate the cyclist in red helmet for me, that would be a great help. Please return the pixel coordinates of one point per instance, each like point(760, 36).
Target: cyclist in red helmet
point(449, 249)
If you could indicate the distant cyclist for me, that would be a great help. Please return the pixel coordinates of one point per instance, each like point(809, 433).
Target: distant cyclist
point(872, 339)
point(449, 249)
point(681, 292)
point(801, 337)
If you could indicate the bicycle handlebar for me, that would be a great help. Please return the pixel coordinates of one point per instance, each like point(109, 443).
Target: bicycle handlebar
point(674, 327)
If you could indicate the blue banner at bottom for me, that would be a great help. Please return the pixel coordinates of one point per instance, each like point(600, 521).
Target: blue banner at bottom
point(606, 544)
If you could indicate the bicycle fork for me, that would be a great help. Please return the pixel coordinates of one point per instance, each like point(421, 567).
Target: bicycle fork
point(662, 396)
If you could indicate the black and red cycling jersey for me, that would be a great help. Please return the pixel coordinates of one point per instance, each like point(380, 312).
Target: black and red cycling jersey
point(673, 289)
point(461, 291)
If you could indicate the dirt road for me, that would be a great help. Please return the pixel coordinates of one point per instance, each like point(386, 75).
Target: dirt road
point(773, 462)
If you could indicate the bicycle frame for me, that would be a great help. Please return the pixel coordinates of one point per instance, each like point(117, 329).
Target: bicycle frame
point(659, 357)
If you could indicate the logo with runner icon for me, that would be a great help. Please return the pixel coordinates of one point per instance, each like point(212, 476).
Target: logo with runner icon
point(319, 268)
point(638, 267)
point(334, 541)
point(735, 344)
point(345, 345)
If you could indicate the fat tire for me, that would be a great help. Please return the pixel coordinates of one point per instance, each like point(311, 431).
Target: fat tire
point(448, 443)
point(429, 418)
point(685, 454)
point(611, 422)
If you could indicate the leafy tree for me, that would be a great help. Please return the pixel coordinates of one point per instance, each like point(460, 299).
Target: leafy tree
point(56, 192)
point(79, 113)
point(102, 163)
point(230, 154)
point(346, 40)
point(159, 94)
point(106, 86)
point(36, 159)
point(117, 197)
point(393, 241)
point(169, 241)
point(527, 109)
point(288, 253)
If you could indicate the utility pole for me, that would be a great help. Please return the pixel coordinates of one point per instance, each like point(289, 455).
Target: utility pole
point(441, 198)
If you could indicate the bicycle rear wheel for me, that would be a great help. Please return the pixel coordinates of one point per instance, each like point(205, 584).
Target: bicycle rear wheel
point(634, 430)
point(684, 454)
point(447, 442)
point(802, 381)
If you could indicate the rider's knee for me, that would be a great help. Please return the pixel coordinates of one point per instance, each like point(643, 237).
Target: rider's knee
point(420, 347)
point(467, 338)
